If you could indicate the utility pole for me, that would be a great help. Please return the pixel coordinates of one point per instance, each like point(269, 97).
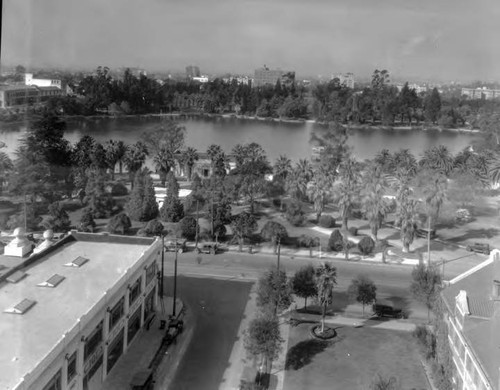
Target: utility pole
point(197, 223)
point(279, 250)
point(162, 264)
point(25, 215)
point(429, 241)
point(278, 277)
point(175, 279)
point(212, 214)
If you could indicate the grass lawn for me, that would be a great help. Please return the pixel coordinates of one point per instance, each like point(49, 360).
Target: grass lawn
point(352, 360)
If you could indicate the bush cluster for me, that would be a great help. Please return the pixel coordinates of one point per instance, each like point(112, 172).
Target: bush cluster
point(366, 245)
point(336, 241)
point(353, 230)
point(118, 189)
point(326, 221)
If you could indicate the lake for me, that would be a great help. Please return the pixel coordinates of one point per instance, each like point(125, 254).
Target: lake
point(276, 138)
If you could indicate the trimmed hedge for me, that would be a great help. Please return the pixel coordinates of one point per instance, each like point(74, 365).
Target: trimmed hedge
point(353, 230)
point(326, 221)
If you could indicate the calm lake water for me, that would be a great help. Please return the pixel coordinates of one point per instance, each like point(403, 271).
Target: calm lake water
point(292, 139)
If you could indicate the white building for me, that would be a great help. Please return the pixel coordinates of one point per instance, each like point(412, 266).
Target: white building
point(69, 312)
point(346, 79)
point(29, 80)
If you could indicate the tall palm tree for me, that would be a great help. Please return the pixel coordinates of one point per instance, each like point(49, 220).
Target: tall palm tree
point(163, 161)
point(431, 188)
point(319, 189)
point(326, 279)
point(408, 217)
point(384, 159)
point(213, 151)
point(134, 159)
point(189, 157)
point(298, 179)
point(347, 190)
point(282, 167)
point(404, 160)
point(240, 153)
point(494, 169)
point(374, 204)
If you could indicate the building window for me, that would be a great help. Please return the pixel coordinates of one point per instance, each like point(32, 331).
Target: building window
point(134, 324)
point(54, 383)
point(116, 313)
point(115, 350)
point(93, 341)
point(150, 273)
point(135, 291)
point(496, 289)
point(72, 366)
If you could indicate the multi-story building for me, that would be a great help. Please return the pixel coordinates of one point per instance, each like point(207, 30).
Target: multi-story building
point(266, 76)
point(29, 80)
point(472, 301)
point(192, 71)
point(346, 79)
point(71, 308)
point(481, 93)
point(22, 96)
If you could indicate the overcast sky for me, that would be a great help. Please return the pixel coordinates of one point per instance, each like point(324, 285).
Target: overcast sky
point(439, 39)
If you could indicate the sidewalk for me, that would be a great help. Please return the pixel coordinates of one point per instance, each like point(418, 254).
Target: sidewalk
point(142, 352)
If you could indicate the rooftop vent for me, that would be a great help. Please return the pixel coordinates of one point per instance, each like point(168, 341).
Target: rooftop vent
point(78, 262)
point(22, 307)
point(53, 281)
point(16, 277)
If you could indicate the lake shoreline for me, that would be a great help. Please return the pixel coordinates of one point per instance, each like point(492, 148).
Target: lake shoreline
point(364, 127)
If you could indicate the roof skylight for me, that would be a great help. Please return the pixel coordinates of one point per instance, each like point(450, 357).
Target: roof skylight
point(78, 262)
point(16, 277)
point(22, 307)
point(53, 281)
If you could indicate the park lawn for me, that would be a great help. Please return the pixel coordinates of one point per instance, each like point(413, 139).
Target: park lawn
point(352, 360)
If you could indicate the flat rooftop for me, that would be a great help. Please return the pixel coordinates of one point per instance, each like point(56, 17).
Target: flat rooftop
point(27, 338)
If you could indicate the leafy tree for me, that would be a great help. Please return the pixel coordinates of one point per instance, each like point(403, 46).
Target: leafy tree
point(119, 224)
point(32, 219)
point(426, 285)
point(385, 383)
point(274, 292)
point(153, 228)
point(243, 225)
point(115, 153)
point(298, 179)
point(263, 339)
point(58, 219)
point(363, 290)
point(172, 210)
point(304, 284)
point(87, 223)
point(189, 227)
point(308, 242)
point(273, 232)
point(97, 199)
point(326, 279)
point(336, 241)
point(294, 213)
point(6, 168)
point(142, 205)
point(432, 105)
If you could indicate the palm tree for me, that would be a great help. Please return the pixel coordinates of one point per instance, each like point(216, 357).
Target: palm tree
point(115, 151)
point(134, 158)
point(213, 152)
point(408, 218)
point(438, 159)
point(189, 157)
point(319, 189)
point(240, 153)
point(374, 204)
point(348, 188)
point(494, 169)
point(163, 161)
point(384, 159)
point(404, 160)
point(326, 279)
point(297, 181)
point(282, 167)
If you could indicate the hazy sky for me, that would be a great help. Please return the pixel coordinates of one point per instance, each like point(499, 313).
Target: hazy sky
point(443, 39)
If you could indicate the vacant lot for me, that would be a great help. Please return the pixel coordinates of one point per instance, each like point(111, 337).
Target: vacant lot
point(352, 360)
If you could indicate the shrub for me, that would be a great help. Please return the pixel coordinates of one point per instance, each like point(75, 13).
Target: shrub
point(119, 224)
point(353, 230)
point(118, 189)
point(463, 216)
point(188, 227)
point(220, 231)
point(366, 245)
point(336, 241)
point(87, 223)
point(294, 214)
point(326, 221)
point(426, 339)
point(153, 228)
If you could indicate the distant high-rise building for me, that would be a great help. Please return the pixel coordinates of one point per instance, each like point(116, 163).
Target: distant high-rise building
point(192, 71)
point(266, 76)
point(346, 79)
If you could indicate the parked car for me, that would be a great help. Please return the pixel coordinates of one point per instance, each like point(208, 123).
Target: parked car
point(479, 248)
point(172, 245)
point(208, 247)
point(387, 309)
point(424, 232)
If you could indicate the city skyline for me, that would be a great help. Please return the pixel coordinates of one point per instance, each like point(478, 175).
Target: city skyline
point(445, 40)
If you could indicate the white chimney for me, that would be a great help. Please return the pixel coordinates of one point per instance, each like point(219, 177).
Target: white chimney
point(20, 245)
